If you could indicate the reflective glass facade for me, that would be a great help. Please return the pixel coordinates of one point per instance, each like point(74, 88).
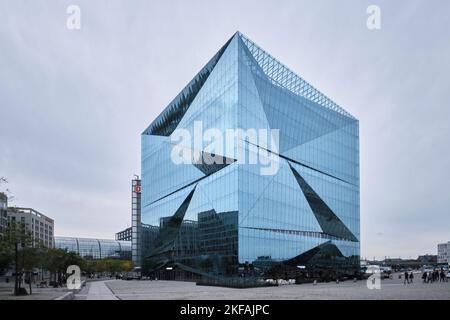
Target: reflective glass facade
point(95, 249)
point(216, 219)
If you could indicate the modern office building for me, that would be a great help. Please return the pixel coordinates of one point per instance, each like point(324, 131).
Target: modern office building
point(280, 191)
point(443, 253)
point(3, 211)
point(124, 235)
point(39, 225)
point(95, 249)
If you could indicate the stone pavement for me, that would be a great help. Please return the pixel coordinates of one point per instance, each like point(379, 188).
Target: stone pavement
point(96, 290)
point(50, 293)
point(391, 289)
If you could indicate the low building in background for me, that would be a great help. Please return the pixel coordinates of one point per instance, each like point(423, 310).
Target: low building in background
point(443, 253)
point(40, 226)
point(124, 235)
point(401, 263)
point(427, 259)
point(95, 249)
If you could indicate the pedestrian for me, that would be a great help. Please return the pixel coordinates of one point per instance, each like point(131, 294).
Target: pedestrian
point(424, 277)
point(442, 276)
point(411, 277)
point(406, 281)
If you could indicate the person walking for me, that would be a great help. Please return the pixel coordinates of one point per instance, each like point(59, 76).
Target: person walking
point(411, 277)
point(424, 277)
point(406, 281)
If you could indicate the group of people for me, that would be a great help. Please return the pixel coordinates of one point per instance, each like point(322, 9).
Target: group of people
point(409, 277)
point(434, 276)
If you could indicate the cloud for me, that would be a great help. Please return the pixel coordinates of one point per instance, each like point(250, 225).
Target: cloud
point(73, 103)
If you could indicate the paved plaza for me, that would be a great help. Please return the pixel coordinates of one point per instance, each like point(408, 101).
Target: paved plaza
point(6, 290)
point(391, 289)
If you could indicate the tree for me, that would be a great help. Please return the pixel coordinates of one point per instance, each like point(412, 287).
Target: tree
point(108, 265)
point(18, 248)
point(31, 258)
point(3, 180)
point(56, 262)
point(6, 256)
point(127, 265)
point(6, 250)
point(14, 243)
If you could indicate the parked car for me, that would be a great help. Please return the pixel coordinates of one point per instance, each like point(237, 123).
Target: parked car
point(386, 272)
point(371, 269)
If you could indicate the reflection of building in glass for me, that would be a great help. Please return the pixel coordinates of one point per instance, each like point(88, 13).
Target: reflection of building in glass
point(148, 234)
point(95, 249)
point(221, 218)
point(185, 244)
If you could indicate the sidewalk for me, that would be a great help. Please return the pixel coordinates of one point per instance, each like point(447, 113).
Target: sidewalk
point(6, 290)
point(99, 291)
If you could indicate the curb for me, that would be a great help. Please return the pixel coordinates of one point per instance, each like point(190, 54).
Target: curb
point(67, 296)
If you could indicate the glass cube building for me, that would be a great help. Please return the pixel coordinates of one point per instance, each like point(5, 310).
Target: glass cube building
point(226, 218)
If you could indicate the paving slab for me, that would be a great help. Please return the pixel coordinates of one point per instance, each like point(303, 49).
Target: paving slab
point(98, 290)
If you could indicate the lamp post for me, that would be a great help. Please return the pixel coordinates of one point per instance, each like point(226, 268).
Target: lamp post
point(16, 283)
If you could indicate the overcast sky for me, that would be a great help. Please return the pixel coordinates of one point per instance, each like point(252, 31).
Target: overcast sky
point(74, 102)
